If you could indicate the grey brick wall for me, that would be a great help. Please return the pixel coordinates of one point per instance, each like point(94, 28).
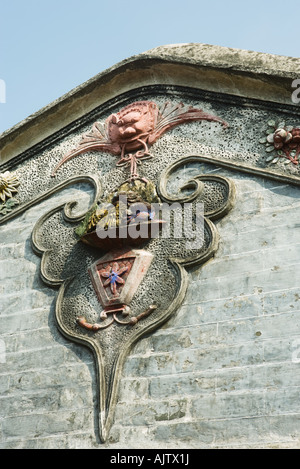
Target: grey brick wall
point(223, 372)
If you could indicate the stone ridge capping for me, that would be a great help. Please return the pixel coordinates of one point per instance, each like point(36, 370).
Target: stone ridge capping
point(227, 57)
point(242, 73)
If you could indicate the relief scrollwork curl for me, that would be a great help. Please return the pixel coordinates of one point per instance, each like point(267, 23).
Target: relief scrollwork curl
point(216, 193)
point(69, 207)
point(208, 188)
point(43, 239)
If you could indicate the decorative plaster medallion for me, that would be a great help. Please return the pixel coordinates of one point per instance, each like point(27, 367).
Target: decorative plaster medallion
point(136, 127)
point(118, 276)
point(282, 141)
point(9, 184)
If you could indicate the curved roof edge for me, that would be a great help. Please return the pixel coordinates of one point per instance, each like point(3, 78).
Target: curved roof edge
point(238, 72)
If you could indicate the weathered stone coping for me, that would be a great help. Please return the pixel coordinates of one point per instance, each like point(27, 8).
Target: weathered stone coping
point(213, 68)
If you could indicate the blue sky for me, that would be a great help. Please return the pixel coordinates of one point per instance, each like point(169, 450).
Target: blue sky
point(48, 48)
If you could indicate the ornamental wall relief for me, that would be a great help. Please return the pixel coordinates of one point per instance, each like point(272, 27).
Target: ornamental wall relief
point(9, 184)
point(121, 268)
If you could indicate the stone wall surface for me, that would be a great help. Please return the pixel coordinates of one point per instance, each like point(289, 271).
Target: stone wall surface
point(224, 370)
